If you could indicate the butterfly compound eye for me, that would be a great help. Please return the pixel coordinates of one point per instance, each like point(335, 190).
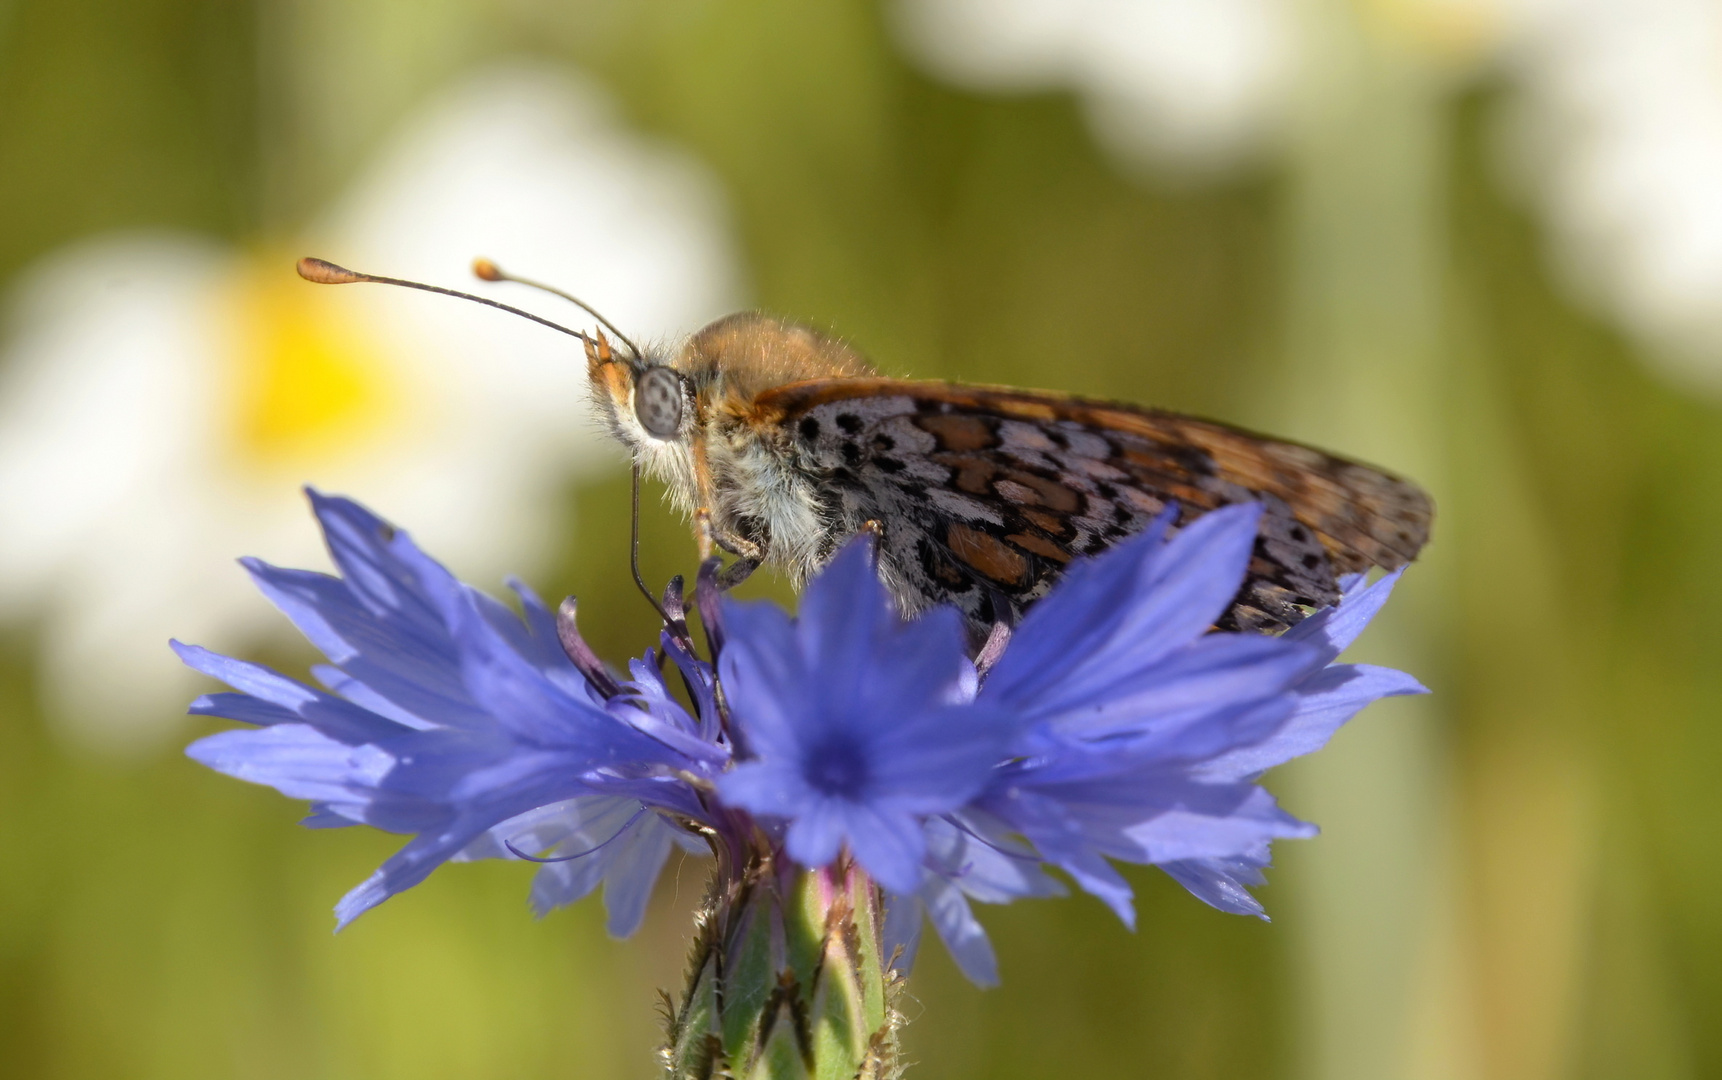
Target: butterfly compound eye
point(658, 402)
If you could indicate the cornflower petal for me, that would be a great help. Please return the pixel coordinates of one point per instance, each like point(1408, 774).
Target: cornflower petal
point(376, 622)
point(297, 760)
point(1325, 701)
point(966, 860)
point(244, 708)
point(1335, 628)
point(1221, 883)
point(343, 685)
point(1125, 609)
point(770, 665)
point(1329, 694)
point(964, 937)
point(593, 840)
point(817, 828)
point(890, 845)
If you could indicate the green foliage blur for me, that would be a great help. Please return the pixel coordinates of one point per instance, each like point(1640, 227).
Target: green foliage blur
point(1544, 902)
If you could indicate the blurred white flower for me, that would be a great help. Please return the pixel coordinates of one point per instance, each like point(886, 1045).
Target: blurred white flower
point(163, 397)
point(1184, 86)
point(1183, 83)
point(1615, 114)
point(1617, 132)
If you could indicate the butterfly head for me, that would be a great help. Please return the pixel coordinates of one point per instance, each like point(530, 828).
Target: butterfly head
point(659, 406)
point(650, 406)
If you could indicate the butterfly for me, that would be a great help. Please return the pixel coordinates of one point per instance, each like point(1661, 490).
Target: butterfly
point(780, 443)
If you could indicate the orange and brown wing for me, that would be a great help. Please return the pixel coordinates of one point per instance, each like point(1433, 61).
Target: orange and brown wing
point(985, 493)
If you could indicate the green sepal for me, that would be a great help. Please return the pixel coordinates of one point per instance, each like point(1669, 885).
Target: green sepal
point(804, 925)
point(836, 1025)
point(696, 1044)
point(877, 983)
point(781, 1057)
point(749, 976)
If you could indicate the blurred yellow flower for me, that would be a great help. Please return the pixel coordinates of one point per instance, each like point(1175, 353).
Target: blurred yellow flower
point(308, 385)
point(164, 397)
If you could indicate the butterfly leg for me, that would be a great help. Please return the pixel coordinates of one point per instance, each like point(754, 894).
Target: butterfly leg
point(710, 535)
point(992, 648)
point(736, 573)
point(748, 555)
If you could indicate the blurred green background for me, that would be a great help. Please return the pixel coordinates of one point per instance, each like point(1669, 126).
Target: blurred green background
point(1518, 876)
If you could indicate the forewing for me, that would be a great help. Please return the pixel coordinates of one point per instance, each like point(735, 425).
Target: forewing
point(985, 493)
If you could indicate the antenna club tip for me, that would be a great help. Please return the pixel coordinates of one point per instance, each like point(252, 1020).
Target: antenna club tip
point(485, 269)
point(324, 272)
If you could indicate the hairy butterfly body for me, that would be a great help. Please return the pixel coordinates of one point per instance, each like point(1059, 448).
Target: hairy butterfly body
point(781, 443)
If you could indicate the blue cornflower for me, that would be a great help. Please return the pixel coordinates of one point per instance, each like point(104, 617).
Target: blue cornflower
point(1115, 726)
point(450, 718)
point(857, 723)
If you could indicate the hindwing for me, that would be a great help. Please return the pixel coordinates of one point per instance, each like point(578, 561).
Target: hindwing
point(984, 494)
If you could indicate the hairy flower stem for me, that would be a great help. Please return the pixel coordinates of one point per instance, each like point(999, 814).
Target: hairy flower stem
point(786, 980)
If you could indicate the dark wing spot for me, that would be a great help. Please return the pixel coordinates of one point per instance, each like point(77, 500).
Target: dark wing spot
point(1311, 561)
point(809, 428)
point(1193, 459)
point(849, 422)
point(1094, 543)
point(851, 453)
point(883, 441)
point(888, 465)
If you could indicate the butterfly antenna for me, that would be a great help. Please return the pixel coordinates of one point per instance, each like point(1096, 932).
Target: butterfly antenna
point(634, 552)
point(489, 271)
point(327, 273)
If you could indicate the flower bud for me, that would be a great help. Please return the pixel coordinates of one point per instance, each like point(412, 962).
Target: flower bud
point(786, 980)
